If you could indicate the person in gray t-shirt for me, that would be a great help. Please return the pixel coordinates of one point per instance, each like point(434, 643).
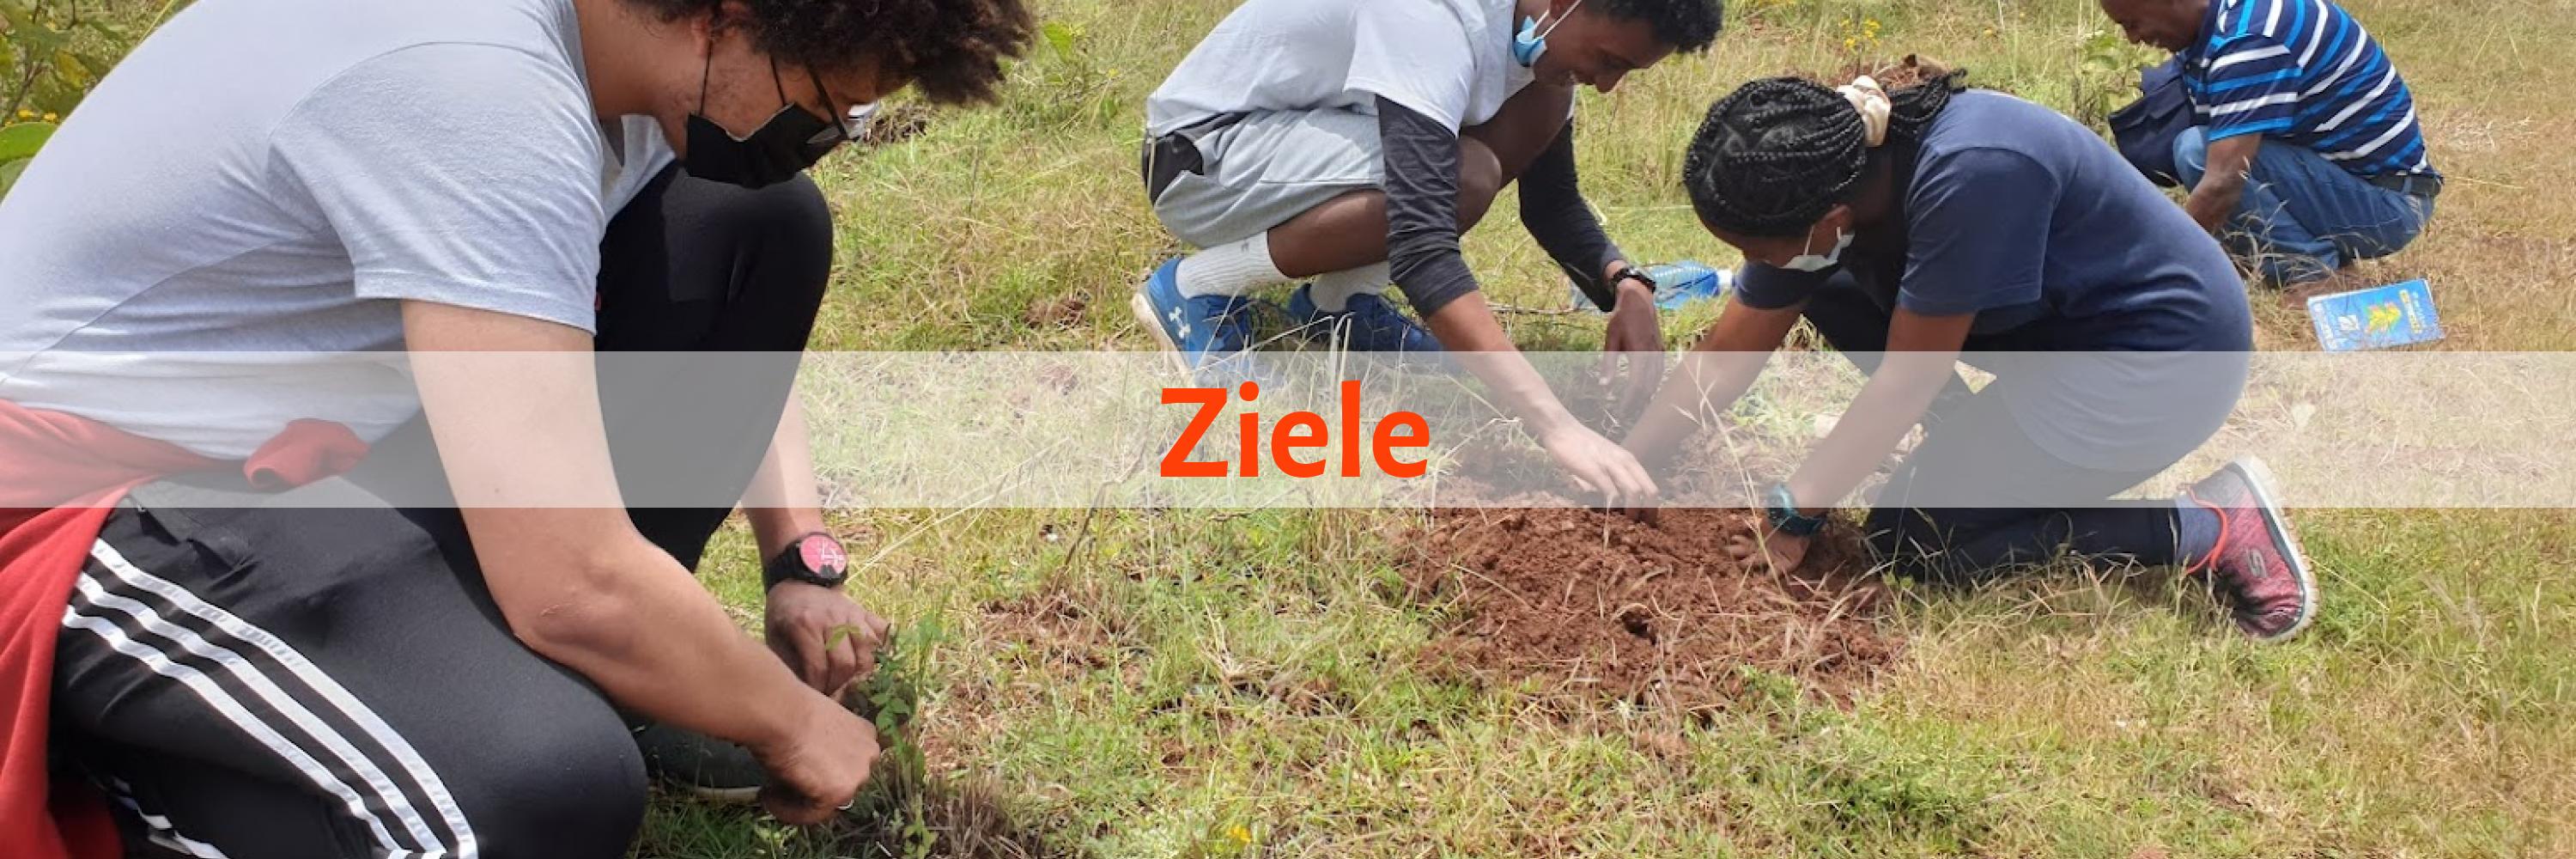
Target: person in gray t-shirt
point(304, 675)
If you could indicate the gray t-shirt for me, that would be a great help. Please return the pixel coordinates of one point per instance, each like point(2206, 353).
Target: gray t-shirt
point(1449, 60)
point(273, 176)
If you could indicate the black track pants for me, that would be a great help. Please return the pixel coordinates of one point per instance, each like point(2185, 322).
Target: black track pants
point(295, 675)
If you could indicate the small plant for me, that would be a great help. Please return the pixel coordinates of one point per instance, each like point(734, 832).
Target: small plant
point(891, 698)
point(1860, 36)
point(2107, 77)
point(1227, 839)
point(1067, 83)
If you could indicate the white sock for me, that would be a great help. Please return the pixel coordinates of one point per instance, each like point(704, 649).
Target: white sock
point(1230, 269)
point(1333, 290)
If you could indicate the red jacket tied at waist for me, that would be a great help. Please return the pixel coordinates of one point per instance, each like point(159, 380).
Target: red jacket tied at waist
point(60, 474)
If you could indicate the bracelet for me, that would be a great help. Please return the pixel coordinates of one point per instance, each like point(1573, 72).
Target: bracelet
point(1782, 510)
point(1636, 274)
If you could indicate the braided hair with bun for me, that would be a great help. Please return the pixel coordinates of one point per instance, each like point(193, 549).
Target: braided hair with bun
point(1778, 153)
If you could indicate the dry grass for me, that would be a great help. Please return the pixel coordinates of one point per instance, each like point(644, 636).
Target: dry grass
point(1185, 684)
point(1173, 683)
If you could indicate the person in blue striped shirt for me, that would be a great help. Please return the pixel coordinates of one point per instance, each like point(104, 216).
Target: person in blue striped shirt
point(2296, 97)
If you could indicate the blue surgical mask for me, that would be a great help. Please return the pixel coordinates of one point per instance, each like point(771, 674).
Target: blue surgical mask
point(1813, 262)
point(1531, 43)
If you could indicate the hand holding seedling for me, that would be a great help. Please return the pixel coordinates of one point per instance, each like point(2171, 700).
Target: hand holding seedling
point(824, 636)
point(817, 770)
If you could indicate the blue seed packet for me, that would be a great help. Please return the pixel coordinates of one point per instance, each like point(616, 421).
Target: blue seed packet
point(2398, 314)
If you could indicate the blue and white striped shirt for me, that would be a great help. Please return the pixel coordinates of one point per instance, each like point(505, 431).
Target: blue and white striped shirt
point(2304, 72)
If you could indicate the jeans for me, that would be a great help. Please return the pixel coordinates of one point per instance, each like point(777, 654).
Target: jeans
point(2304, 216)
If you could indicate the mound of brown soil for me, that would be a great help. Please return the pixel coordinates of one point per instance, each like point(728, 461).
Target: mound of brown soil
point(898, 123)
point(1601, 608)
point(1062, 311)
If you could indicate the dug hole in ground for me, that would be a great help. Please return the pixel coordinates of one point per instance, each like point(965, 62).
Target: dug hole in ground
point(1595, 608)
point(1591, 610)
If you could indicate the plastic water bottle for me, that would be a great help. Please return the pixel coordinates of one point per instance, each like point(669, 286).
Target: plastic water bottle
point(1677, 284)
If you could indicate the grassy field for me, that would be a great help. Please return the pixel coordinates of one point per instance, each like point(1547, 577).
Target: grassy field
point(1169, 684)
point(1186, 684)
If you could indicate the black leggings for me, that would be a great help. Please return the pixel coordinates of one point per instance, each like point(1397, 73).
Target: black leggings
point(1974, 438)
point(297, 675)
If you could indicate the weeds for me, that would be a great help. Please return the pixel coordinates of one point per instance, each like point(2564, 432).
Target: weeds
point(891, 698)
point(51, 54)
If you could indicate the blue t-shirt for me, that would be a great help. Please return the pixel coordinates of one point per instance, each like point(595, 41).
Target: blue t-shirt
point(2027, 219)
point(2304, 72)
point(2030, 221)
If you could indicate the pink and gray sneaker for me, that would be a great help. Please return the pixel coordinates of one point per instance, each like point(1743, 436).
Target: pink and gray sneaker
point(2257, 564)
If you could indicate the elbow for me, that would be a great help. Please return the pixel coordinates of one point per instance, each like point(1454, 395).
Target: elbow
point(579, 618)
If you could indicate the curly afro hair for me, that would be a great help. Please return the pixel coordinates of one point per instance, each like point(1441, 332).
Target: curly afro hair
point(952, 50)
point(1687, 25)
point(1776, 154)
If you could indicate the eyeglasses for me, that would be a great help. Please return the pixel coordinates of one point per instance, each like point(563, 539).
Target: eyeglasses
point(853, 126)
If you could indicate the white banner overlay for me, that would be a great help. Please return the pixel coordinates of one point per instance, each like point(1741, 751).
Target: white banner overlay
point(949, 430)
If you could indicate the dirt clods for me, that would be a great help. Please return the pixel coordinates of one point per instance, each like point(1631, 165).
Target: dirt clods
point(1911, 70)
point(896, 124)
point(1601, 608)
point(1061, 311)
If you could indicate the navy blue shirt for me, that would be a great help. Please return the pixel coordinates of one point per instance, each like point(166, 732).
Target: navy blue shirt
point(2028, 220)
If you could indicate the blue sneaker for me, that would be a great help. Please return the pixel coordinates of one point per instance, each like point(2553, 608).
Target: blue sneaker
point(1203, 331)
point(1365, 324)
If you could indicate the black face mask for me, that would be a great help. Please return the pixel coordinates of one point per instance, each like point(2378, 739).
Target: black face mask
point(792, 140)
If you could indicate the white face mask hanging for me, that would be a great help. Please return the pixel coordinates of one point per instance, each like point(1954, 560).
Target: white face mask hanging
point(1814, 262)
point(1874, 107)
point(1531, 43)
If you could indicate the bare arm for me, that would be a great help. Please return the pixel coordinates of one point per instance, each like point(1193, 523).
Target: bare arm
point(1922, 357)
point(2222, 186)
point(805, 623)
point(514, 405)
point(1717, 371)
point(1466, 325)
point(1468, 329)
point(783, 502)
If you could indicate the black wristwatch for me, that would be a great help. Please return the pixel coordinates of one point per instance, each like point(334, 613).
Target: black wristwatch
point(1782, 508)
point(1636, 274)
point(815, 559)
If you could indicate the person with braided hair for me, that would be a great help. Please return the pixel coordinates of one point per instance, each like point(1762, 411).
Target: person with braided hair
point(1918, 228)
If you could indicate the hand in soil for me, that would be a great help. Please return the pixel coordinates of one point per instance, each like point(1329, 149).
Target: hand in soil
point(817, 771)
point(1634, 335)
point(824, 636)
point(1779, 552)
point(1603, 470)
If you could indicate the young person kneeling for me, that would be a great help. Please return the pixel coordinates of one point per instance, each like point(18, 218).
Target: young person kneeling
point(1911, 227)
